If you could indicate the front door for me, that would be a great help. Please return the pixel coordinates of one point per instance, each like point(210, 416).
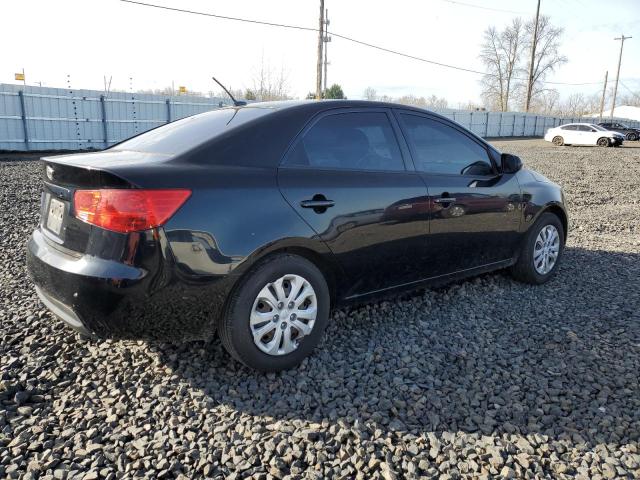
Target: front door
point(474, 211)
point(346, 177)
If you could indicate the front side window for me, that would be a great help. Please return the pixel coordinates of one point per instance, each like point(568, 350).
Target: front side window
point(439, 148)
point(353, 141)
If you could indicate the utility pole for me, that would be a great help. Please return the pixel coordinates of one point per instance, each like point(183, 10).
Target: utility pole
point(604, 91)
point(615, 88)
point(534, 44)
point(320, 43)
point(326, 40)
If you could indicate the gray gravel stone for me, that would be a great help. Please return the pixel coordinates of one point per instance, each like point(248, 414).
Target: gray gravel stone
point(487, 378)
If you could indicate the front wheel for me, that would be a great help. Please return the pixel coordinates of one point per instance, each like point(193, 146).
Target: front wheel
point(541, 251)
point(632, 137)
point(603, 142)
point(277, 315)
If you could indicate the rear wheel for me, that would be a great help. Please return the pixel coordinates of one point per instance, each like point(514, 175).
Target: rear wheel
point(603, 142)
point(558, 141)
point(541, 252)
point(632, 137)
point(278, 314)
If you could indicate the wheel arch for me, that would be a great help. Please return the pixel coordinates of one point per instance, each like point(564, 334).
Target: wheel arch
point(315, 252)
point(559, 212)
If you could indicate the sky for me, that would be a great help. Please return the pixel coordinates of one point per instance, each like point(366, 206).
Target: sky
point(146, 48)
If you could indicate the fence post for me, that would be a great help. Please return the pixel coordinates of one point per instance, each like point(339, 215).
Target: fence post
point(168, 110)
point(535, 127)
point(486, 125)
point(23, 114)
point(513, 127)
point(471, 121)
point(500, 126)
point(104, 121)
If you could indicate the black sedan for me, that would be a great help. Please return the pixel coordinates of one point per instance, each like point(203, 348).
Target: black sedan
point(255, 221)
point(629, 133)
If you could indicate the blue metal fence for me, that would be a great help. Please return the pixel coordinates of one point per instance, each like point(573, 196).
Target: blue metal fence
point(42, 118)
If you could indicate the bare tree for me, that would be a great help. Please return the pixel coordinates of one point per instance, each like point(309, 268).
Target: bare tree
point(437, 103)
point(470, 105)
point(370, 93)
point(547, 54)
point(546, 102)
point(411, 99)
point(502, 55)
point(269, 85)
point(433, 102)
point(578, 104)
point(632, 98)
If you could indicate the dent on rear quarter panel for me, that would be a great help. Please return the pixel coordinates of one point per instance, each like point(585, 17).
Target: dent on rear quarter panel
point(234, 216)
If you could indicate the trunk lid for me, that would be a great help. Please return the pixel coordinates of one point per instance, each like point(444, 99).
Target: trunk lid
point(64, 174)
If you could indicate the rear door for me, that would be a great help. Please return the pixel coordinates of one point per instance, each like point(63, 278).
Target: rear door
point(474, 210)
point(346, 177)
point(570, 134)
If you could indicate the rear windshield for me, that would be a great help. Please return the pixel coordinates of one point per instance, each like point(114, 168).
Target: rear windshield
point(182, 135)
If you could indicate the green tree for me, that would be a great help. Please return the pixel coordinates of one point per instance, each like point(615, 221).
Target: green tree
point(335, 91)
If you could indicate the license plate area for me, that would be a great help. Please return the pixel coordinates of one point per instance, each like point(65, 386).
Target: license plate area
point(55, 210)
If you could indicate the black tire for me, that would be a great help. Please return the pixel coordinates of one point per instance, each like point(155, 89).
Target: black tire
point(603, 142)
point(524, 269)
point(558, 141)
point(234, 328)
point(632, 137)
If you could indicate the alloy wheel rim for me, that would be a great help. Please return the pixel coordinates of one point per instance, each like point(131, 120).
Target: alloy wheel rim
point(283, 313)
point(546, 249)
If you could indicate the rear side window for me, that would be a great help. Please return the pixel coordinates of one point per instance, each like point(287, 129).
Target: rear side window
point(182, 135)
point(353, 141)
point(569, 127)
point(440, 148)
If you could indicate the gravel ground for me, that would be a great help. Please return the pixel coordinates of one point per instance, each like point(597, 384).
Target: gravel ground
point(481, 379)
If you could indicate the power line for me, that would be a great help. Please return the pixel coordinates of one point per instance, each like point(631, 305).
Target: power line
point(344, 37)
point(629, 90)
point(483, 7)
point(222, 17)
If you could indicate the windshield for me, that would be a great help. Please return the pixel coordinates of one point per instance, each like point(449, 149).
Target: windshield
point(182, 135)
point(598, 127)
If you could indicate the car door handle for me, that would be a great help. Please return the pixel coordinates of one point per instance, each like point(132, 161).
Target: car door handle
point(445, 200)
point(317, 203)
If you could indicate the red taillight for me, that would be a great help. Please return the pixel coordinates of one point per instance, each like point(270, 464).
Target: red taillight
point(127, 210)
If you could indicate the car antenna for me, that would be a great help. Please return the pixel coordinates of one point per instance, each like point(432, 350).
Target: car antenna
point(236, 103)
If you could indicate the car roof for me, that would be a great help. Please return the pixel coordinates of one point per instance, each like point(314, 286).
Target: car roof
point(315, 106)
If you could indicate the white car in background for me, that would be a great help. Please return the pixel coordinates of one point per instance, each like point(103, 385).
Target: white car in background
point(583, 134)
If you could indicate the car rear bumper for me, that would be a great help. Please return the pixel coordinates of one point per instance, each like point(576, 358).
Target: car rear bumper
point(109, 299)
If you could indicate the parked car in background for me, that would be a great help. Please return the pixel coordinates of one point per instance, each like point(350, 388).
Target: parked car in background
point(255, 221)
point(583, 134)
point(630, 133)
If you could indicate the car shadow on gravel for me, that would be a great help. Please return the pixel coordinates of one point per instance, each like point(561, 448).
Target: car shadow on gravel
point(486, 356)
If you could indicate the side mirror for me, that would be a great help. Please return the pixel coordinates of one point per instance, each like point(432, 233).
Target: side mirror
point(510, 163)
